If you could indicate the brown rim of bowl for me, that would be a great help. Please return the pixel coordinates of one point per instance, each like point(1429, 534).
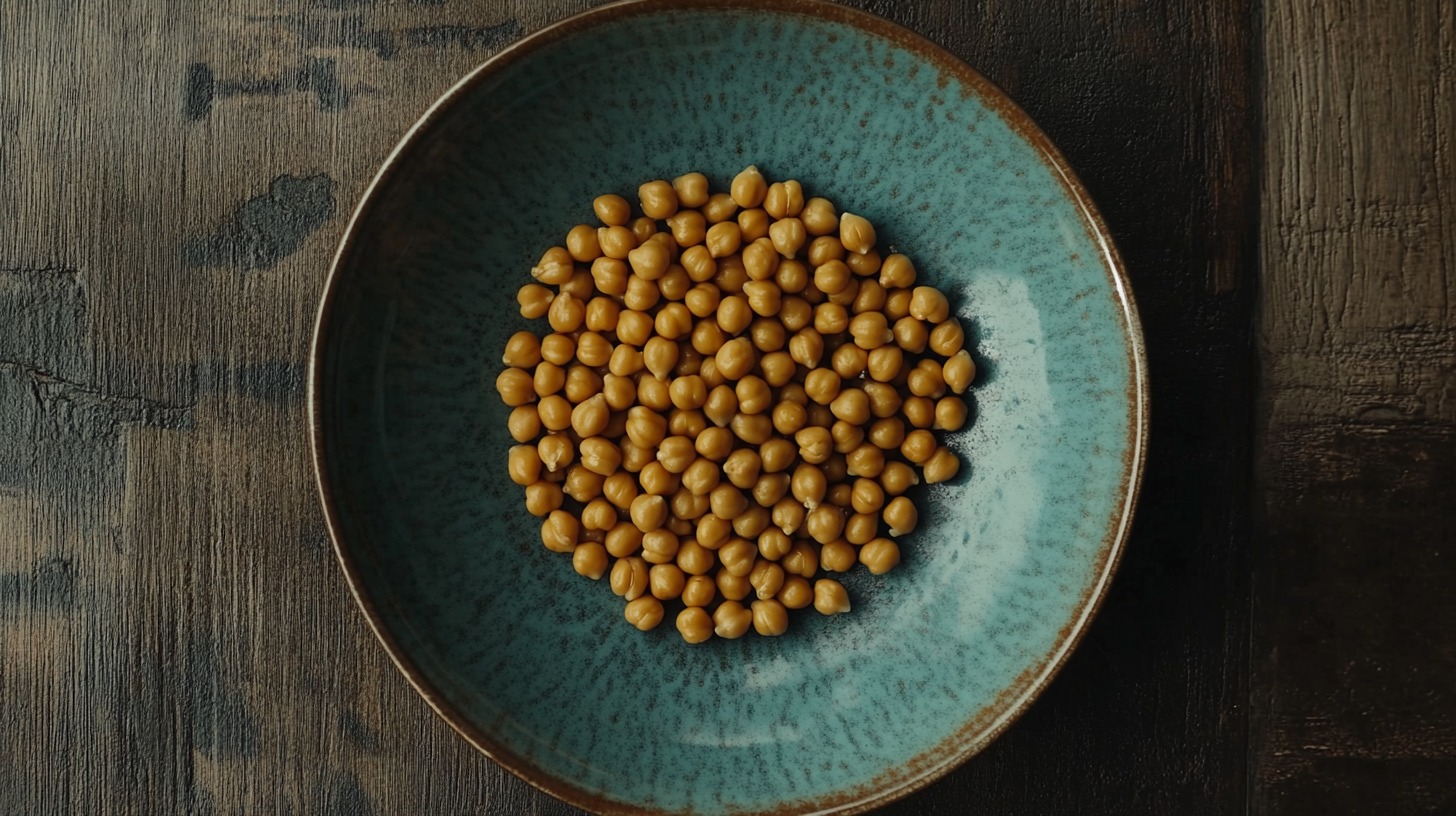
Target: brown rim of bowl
point(974, 736)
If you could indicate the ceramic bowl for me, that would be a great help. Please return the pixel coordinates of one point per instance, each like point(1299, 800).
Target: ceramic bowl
point(535, 665)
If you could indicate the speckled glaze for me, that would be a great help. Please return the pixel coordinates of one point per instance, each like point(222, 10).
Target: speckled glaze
point(534, 664)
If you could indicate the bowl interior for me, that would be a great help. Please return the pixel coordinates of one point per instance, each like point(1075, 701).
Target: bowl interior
point(535, 663)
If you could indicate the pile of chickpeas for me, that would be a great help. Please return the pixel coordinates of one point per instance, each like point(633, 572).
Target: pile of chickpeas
point(734, 395)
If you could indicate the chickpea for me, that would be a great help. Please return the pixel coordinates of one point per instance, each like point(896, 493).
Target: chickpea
point(620, 391)
point(900, 516)
point(856, 233)
point(830, 318)
point(515, 387)
point(737, 557)
point(543, 497)
point(831, 277)
point(788, 514)
point(848, 361)
point(837, 556)
point(769, 618)
point(645, 612)
point(778, 368)
point(830, 597)
point(673, 321)
point(731, 620)
point(634, 328)
point(885, 362)
point(919, 446)
point(897, 304)
point(534, 300)
point(766, 578)
point(714, 444)
point(802, 559)
point(679, 527)
point(794, 392)
point(787, 237)
point(822, 385)
point(619, 488)
point(523, 465)
point(749, 187)
point(819, 217)
point(768, 335)
point(885, 401)
point(643, 228)
point(897, 477)
point(556, 452)
point(590, 417)
point(861, 528)
point(652, 393)
point(666, 581)
point(776, 455)
point(649, 261)
point(675, 454)
point(784, 199)
point(579, 286)
point(720, 407)
point(870, 331)
point(763, 297)
point(657, 480)
point(751, 522)
point(727, 501)
point(641, 295)
point(808, 485)
point(723, 239)
point(645, 427)
point(660, 546)
point(789, 417)
point(658, 199)
point(734, 314)
point(760, 260)
point(719, 208)
point(880, 555)
point(616, 241)
point(648, 512)
point(582, 484)
point(629, 578)
point(947, 338)
point(919, 411)
point(694, 624)
point(841, 495)
point(770, 488)
point(796, 593)
point(589, 559)
point(623, 540)
point(929, 304)
point(795, 313)
point(559, 531)
point(581, 383)
point(524, 423)
point(523, 350)
point(866, 265)
point(742, 468)
point(926, 380)
point(835, 468)
point(754, 429)
point(824, 524)
point(870, 297)
point(699, 591)
point(691, 189)
point(824, 249)
point(806, 347)
point(634, 458)
point(846, 435)
point(887, 433)
point(815, 444)
point(959, 371)
point(554, 268)
point(753, 394)
point(950, 414)
point(736, 358)
point(774, 543)
point(851, 405)
point(699, 263)
point(942, 466)
point(847, 296)
point(695, 559)
point(687, 506)
point(555, 413)
point(712, 531)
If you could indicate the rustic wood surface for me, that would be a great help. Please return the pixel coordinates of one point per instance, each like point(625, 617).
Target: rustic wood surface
point(176, 638)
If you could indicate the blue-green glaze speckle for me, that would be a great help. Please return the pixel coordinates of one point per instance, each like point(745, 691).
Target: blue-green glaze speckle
point(536, 663)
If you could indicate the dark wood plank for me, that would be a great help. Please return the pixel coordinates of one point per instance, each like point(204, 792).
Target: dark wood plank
point(174, 635)
point(1355, 660)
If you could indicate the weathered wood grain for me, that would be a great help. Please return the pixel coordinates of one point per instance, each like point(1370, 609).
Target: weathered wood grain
point(1355, 660)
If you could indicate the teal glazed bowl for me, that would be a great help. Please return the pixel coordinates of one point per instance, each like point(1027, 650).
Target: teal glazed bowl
point(533, 664)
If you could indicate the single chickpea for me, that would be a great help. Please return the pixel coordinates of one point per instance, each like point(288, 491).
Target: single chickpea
point(754, 429)
point(830, 318)
point(766, 578)
point(788, 514)
point(788, 236)
point(815, 444)
point(695, 559)
point(515, 387)
point(900, 516)
point(950, 414)
point(736, 358)
point(714, 444)
point(760, 260)
point(727, 501)
point(767, 334)
point(534, 300)
point(794, 392)
point(830, 597)
point(708, 337)
point(770, 488)
point(642, 294)
point(819, 216)
point(880, 555)
point(581, 383)
point(623, 540)
point(824, 524)
point(719, 208)
point(629, 578)
point(897, 272)
point(822, 385)
point(694, 624)
point(523, 350)
point(590, 418)
point(753, 224)
point(851, 405)
point(643, 228)
point(865, 461)
point(612, 210)
point(674, 283)
point(796, 314)
point(601, 314)
point(840, 495)
point(784, 199)
point(754, 396)
point(887, 433)
point(929, 304)
point(658, 199)
point(645, 612)
point(589, 559)
point(774, 543)
point(870, 331)
point(770, 618)
point(579, 286)
point(699, 591)
point(679, 527)
point(524, 423)
point(796, 593)
point(543, 498)
point(837, 556)
point(676, 453)
point(865, 264)
point(751, 522)
point(870, 297)
point(554, 268)
point(742, 468)
point(802, 559)
point(702, 300)
point(712, 532)
point(609, 275)
point(846, 435)
point(942, 466)
point(734, 314)
point(556, 452)
point(657, 480)
point(559, 531)
point(926, 380)
point(723, 239)
point(660, 356)
point(731, 620)
point(720, 406)
point(691, 189)
point(749, 187)
point(919, 411)
point(947, 338)
point(884, 363)
point(659, 546)
point(897, 477)
point(824, 249)
point(699, 263)
point(666, 581)
point(808, 485)
point(620, 391)
point(688, 227)
point(831, 277)
point(557, 350)
point(846, 296)
point(919, 446)
point(686, 506)
point(861, 528)
point(856, 233)
point(566, 313)
point(792, 277)
point(897, 303)
point(523, 465)
point(648, 512)
point(616, 242)
point(737, 557)
point(649, 261)
point(788, 418)
point(777, 455)
point(806, 347)
point(634, 328)
point(600, 456)
point(778, 368)
point(959, 371)
point(764, 297)
point(645, 427)
point(673, 321)
point(688, 392)
point(619, 488)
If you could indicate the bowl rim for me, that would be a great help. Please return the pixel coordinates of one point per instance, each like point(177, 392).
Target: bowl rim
point(937, 761)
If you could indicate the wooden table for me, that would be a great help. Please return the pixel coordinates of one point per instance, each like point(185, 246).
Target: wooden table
point(176, 638)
